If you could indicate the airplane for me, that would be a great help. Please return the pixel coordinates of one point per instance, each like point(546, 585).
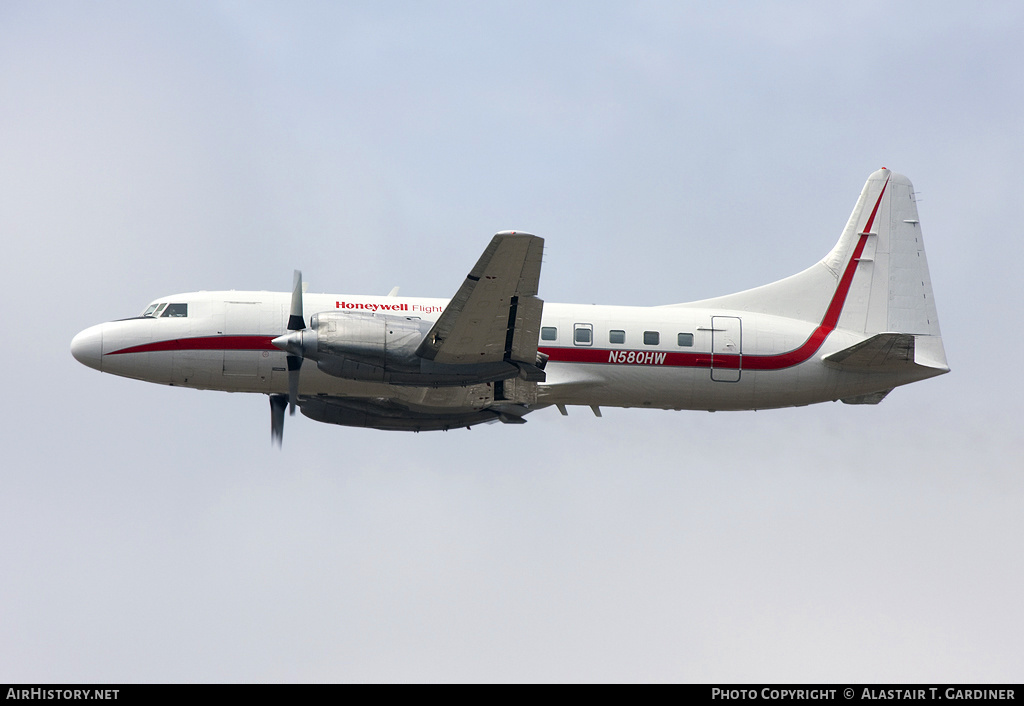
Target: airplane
point(853, 326)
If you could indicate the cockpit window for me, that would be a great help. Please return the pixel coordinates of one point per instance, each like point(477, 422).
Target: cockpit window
point(159, 309)
point(150, 310)
point(176, 310)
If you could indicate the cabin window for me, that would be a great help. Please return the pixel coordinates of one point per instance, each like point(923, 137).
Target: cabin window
point(176, 311)
point(548, 333)
point(616, 336)
point(583, 334)
point(686, 339)
point(651, 338)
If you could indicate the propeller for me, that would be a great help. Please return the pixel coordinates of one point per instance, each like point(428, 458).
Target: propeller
point(295, 323)
point(277, 405)
point(292, 344)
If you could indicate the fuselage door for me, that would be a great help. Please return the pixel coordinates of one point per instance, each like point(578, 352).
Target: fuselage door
point(726, 348)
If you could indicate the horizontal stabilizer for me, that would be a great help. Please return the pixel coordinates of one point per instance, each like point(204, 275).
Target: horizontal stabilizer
point(881, 352)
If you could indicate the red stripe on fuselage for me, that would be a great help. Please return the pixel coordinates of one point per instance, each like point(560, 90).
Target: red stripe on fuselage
point(752, 362)
point(204, 343)
point(596, 355)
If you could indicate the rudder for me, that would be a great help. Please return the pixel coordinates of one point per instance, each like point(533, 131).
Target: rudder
point(892, 289)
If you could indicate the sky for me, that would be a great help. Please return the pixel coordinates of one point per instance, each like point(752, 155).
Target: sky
point(667, 152)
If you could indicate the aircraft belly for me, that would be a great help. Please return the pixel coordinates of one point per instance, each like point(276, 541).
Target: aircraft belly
point(205, 370)
point(453, 399)
point(686, 388)
point(693, 388)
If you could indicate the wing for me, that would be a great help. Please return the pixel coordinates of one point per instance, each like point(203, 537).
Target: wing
point(495, 315)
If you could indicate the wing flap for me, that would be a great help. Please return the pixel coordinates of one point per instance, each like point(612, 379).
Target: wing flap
point(526, 329)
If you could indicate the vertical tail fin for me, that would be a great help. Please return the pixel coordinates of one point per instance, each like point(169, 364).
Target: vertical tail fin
point(875, 280)
point(892, 290)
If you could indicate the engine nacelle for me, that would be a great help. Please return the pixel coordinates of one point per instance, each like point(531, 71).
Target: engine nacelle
point(365, 346)
point(363, 413)
point(382, 348)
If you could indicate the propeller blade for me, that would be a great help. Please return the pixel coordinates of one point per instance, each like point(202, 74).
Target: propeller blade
point(277, 405)
point(295, 320)
point(294, 366)
point(292, 344)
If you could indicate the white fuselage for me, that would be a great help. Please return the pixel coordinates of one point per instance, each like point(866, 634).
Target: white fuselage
point(627, 357)
point(856, 324)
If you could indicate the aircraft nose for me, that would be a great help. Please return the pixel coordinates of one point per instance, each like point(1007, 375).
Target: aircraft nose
point(87, 347)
